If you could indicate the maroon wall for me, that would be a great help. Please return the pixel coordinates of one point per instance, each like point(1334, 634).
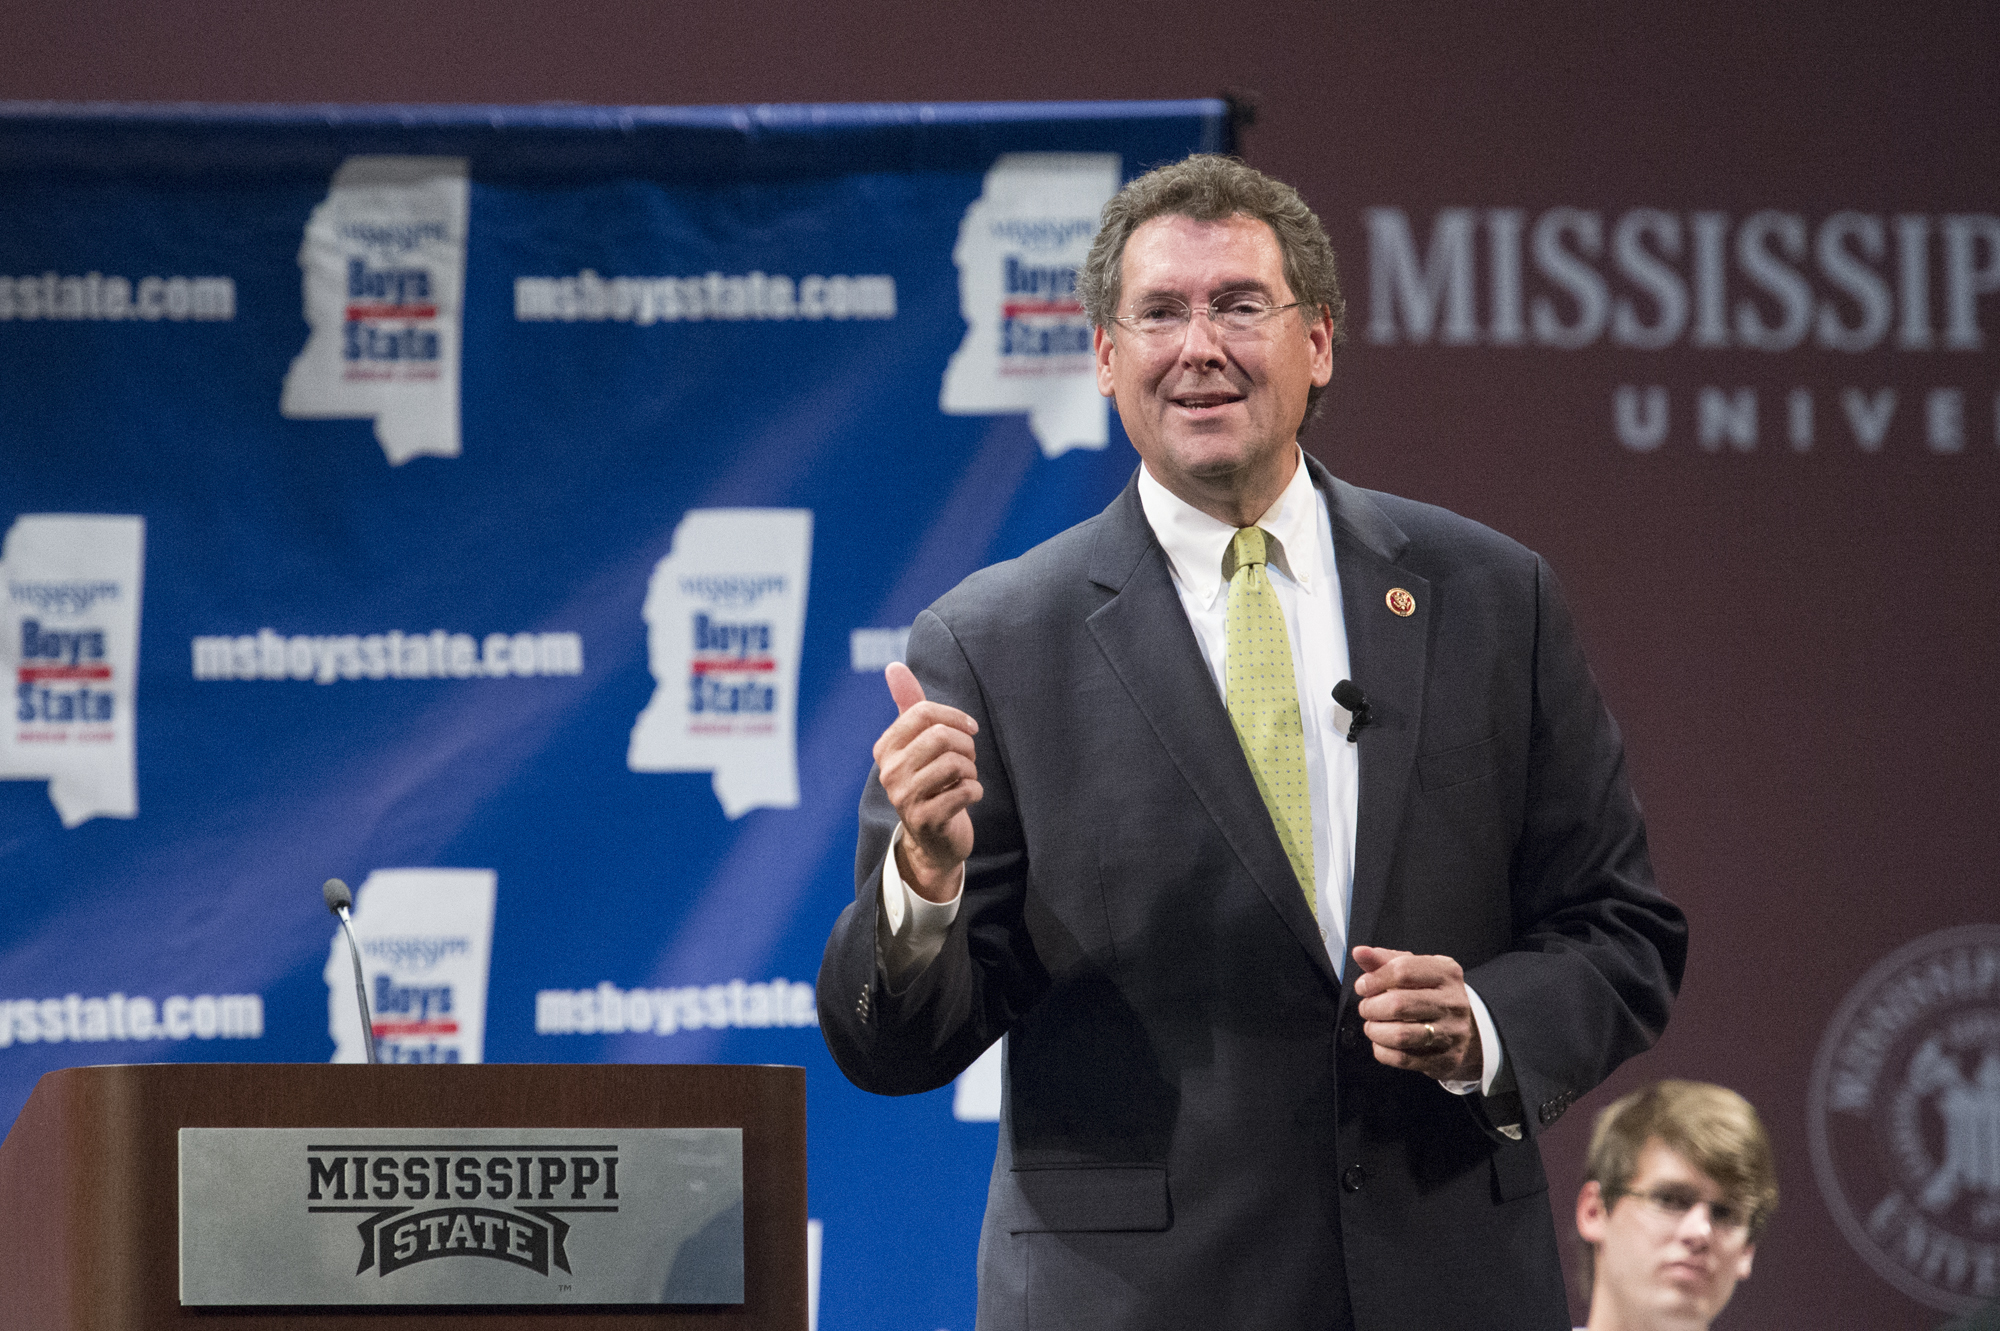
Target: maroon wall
point(1800, 643)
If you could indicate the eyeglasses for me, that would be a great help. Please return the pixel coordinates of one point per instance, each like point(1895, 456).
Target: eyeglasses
point(1673, 1203)
point(1237, 312)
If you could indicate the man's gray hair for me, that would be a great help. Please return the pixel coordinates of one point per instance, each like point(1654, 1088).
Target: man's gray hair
point(1208, 187)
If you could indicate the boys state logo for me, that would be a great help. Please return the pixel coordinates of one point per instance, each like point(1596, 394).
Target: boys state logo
point(383, 268)
point(725, 615)
point(69, 647)
point(1904, 1118)
point(1027, 345)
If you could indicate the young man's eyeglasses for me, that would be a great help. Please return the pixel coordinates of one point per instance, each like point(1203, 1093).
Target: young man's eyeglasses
point(1237, 312)
point(1672, 1203)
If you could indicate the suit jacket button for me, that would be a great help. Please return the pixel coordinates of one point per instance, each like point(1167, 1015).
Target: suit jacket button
point(1350, 1035)
point(1353, 1177)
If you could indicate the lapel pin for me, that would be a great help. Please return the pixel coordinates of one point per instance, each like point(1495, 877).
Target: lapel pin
point(1402, 602)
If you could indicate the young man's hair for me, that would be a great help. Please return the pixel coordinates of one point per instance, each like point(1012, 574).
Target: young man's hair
point(1208, 187)
point(1711, 1127)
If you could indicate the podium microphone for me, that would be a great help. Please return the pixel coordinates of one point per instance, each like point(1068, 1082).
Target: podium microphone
point(338, 899)
point(1349, 695)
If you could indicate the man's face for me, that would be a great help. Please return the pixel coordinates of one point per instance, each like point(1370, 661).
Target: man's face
point(1661, 1270)
point(1212, 413)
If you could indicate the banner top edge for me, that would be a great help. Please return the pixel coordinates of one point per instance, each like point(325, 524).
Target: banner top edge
point(754, 118)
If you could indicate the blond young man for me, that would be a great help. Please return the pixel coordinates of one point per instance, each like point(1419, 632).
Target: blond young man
point(1680, 1185)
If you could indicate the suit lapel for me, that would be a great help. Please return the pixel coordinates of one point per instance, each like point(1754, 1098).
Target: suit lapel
point(1144, 635)
point(1386, 658)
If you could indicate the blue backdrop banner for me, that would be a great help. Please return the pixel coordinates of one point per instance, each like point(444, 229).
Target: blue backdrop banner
point(510, 511)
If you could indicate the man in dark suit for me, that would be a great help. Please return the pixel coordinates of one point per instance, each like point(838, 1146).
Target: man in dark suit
point(1288, 986)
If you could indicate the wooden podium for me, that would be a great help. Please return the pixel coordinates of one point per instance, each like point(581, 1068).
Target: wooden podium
point(89, 1181)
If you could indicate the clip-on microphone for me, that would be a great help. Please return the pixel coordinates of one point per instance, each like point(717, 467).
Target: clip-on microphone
point(1349, 695)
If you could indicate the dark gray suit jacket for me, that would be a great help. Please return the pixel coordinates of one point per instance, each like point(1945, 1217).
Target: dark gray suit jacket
point(1194, 1131)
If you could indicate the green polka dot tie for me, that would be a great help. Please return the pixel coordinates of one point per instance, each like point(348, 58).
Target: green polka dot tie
point(1264, 701)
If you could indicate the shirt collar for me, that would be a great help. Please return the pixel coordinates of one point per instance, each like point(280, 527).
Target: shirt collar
point(1196, 543)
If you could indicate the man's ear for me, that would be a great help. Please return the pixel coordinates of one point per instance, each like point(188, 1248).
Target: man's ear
point(1743, 1262)
point(1591, 1215)
point(1102, 346)
point(1319, 332)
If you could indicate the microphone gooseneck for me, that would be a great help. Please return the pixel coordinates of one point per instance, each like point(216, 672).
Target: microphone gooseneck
point(339, 900)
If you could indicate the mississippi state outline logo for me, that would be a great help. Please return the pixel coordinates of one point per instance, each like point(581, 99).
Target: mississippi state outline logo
point(1904, 1117)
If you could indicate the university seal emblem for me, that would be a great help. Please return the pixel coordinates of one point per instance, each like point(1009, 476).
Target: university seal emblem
point(1904, 1117)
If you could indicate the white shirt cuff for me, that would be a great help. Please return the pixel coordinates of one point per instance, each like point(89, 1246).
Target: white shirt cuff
point(1490, 1054)
point(913, 928)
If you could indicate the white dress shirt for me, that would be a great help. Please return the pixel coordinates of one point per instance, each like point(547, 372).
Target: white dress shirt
point(1306, 578)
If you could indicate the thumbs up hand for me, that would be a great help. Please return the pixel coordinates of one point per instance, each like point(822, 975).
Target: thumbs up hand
point(925, 760)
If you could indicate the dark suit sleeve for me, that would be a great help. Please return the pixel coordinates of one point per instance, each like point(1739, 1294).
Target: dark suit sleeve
point(1598, 952)
point(899, 1043)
